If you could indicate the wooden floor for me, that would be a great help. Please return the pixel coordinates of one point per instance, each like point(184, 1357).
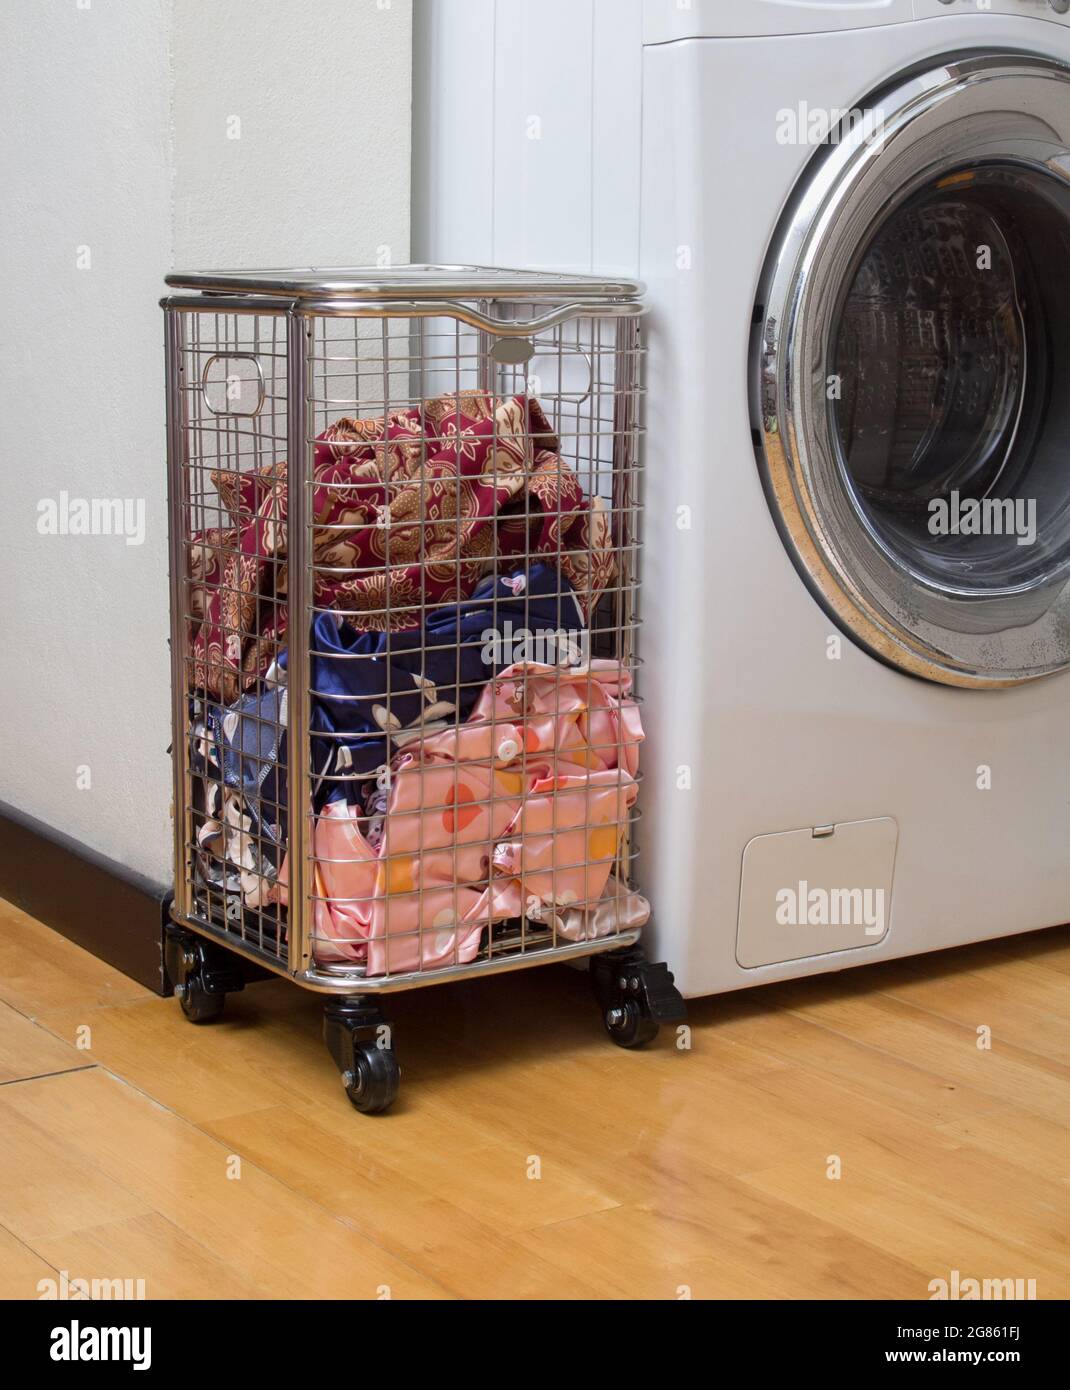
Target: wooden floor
point(528, 1158)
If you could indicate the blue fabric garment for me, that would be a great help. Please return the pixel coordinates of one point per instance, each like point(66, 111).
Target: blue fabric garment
point(238, 831)
point(250, 740)
point(369, 688)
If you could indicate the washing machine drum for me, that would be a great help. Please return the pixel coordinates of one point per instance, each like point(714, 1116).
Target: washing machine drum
point(913, 373)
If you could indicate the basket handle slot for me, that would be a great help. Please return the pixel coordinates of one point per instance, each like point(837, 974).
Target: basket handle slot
point(574, 398)
point(261, 395)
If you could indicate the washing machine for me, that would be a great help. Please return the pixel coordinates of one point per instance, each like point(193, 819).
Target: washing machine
point(853, 221)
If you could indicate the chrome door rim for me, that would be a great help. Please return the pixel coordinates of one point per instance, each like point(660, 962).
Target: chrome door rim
point(1014, 109)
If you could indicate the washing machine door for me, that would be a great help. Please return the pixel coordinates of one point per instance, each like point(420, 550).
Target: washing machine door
point(912, 382)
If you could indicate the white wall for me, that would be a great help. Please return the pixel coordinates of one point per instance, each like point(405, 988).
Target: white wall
point(320, 174)
point(116, 166)
point(527, 133)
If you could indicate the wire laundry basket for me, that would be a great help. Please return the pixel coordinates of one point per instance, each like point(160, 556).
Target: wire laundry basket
point(405, 527)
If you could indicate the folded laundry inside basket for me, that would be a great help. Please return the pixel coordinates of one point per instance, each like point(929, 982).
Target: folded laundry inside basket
point(409, 512)
point(372, 693)
point(471, 765)
point(238, 799)
point(519, 812)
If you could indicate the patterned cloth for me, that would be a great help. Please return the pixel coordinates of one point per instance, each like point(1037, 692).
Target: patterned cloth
point(375, 691)
point(372, 694)
point(518, 812)
point(238, 840)
point(409, 512)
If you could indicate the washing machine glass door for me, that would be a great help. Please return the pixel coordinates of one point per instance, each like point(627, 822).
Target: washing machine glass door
point(913, 374)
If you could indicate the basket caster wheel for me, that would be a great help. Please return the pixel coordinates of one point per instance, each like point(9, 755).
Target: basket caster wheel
point(358, 1038)
point(198, 1006)
point(636, 995)
point(202, 973)
point(627, 1027)
point(372, 1086)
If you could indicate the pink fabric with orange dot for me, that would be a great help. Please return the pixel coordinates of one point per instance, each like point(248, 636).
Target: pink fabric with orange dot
point(519, 811)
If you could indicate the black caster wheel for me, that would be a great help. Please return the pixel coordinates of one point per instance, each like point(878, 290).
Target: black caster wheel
point(627, 1027)
point(636, 996)
point(357, 1037)
point(198, 1006)
point(202, 973)
point(372, 1086)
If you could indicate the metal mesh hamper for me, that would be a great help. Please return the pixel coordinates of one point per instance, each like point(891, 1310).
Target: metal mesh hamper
point(404, 541)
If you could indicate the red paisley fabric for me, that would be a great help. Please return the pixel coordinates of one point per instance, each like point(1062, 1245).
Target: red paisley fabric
point(408, 512)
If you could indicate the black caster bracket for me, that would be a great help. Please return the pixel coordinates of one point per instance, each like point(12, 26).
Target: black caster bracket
point(358, 1038)
point(636, 996)
point(203, 974)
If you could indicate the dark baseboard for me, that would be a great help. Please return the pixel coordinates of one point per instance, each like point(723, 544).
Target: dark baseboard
point(94, 902)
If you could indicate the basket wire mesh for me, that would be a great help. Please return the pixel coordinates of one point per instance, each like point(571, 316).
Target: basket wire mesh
point(405, 609)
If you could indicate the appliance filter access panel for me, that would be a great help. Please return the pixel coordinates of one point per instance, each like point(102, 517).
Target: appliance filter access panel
point(813, 892)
